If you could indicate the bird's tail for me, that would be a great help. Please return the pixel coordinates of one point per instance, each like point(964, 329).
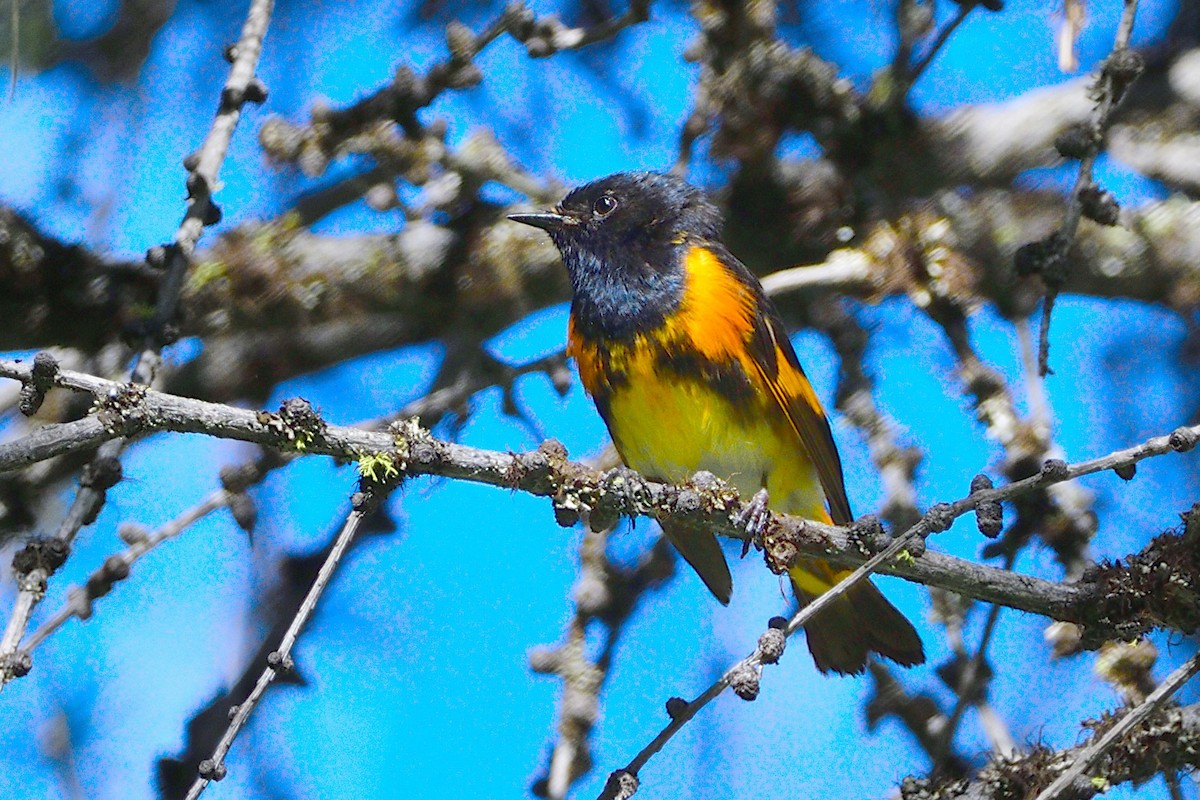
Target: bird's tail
point(860, 622)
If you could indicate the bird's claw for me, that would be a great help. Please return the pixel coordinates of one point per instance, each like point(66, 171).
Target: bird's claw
point(754, 518)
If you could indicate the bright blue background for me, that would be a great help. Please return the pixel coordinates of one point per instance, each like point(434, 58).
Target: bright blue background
point(416, 660)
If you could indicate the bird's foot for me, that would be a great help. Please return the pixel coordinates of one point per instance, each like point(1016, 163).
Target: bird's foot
point(754, 518)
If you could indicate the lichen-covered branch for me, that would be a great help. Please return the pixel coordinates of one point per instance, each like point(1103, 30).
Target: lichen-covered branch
point(122, 410)
point(1166, 742)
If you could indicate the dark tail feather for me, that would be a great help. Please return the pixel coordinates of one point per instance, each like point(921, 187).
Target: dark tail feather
point(701, 549)
point(860, 622)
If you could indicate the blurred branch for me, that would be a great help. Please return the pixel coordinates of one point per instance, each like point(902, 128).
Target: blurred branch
point(914, 23)
point(753, 87)
point(855, 398)
point(919, 713)
point(481, 373)
point(117, 567)
point(1063, 514)
point(969, 677)
point(280, 659)
point(119, 53)
point(272, 300)
point(369, 125)
point(965, 7)
point(59, 293)
point(606, 595)
point(1049, 257)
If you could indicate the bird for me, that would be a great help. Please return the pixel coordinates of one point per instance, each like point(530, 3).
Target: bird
point(690, 366)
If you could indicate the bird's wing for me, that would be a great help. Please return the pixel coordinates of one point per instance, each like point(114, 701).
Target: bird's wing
point(779, 368)
point(773, 361)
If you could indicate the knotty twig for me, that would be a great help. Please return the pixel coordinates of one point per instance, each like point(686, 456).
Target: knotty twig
point(1050, 257)
point(105, 470)
point(204, 166)
point(280, 660)
point(745, 672)
point(1095, 751)
point(117, 567)
point(547, 472)
point(604, 595)
point(357, 127)
point(232, 494)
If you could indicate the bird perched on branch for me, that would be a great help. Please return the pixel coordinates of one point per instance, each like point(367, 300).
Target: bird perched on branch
point(690, 366)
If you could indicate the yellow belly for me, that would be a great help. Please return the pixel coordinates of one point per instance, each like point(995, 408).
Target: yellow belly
point(669, 428)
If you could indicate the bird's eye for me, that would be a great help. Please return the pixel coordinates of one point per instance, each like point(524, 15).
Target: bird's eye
point(605, 204)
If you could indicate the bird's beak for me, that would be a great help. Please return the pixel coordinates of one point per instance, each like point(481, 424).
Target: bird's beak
point(546, 220)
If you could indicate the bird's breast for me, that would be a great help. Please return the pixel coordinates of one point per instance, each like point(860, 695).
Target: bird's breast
point(671, 412)
point(685, 394)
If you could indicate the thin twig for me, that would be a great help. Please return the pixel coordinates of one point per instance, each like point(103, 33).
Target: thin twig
point(574, 38)
point(80, 598)
point(943, 36)
point(213, 769)
point(1110, 97)
point(1089, 757)
point(754, 661)
point(205, 165)
point(202, 180)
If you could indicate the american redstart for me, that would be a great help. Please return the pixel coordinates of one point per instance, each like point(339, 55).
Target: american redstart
point(691, 368)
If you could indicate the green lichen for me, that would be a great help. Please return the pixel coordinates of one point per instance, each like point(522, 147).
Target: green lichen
point(205, 273)
point(378, 466)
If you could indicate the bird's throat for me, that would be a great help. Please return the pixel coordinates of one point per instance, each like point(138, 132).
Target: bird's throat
point(616, 299)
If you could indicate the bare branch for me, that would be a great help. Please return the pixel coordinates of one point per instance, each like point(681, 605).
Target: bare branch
point(1049, 257)
point(117, 567)
point(280, 660)
point(607, 595)
point(1164, 742)
point(123, 410)
point(105, 469)
point(204, 168)
point(80, 599)
point(369, 125)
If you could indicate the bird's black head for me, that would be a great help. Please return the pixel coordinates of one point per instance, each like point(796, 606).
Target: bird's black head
point(622, 239)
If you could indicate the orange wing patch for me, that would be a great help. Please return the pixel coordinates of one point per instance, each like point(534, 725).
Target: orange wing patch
point(716, 316)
